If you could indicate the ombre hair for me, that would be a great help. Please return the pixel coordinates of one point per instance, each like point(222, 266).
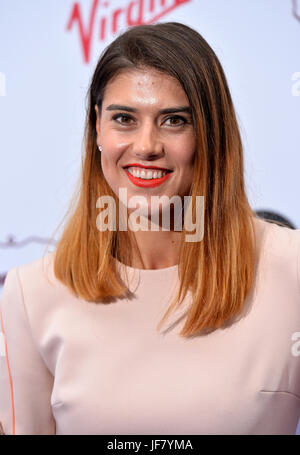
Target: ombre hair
point(219, 271)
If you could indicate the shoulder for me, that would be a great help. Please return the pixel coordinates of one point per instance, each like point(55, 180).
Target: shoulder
point(39, 268)
point(281, 241)
point(35, 279)
point(31, 289)
point(280, 252)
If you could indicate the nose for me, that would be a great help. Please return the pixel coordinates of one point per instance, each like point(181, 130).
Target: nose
point(147, 144)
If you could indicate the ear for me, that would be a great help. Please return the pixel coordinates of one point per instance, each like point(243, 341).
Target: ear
point(97, 124)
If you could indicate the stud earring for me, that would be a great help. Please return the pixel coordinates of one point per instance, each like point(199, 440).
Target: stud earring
point(100, 148)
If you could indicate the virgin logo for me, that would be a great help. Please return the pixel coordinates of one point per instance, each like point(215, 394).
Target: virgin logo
point(104, 19)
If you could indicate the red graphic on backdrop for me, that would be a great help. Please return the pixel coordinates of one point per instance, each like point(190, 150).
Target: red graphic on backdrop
point(104, 24)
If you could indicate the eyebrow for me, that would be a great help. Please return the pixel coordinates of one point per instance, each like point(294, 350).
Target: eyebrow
point(169, 110)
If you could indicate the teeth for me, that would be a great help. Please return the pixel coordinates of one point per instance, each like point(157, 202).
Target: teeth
point(146, 174)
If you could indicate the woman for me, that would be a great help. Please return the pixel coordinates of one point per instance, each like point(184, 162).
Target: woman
point(93, 344)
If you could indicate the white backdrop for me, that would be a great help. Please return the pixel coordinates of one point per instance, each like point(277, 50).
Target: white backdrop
point(48, 50)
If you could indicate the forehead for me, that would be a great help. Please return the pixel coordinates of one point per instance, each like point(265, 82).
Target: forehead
point(145, 83)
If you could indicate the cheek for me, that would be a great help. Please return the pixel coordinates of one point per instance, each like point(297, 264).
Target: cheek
point(191, 155)
point(109, 157)
point(110, 167)
point(189, 162)
point(184, 150)
point(112, 149)
point(105, 158)
point(185, 159)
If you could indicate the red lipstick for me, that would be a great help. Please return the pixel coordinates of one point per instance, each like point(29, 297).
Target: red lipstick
point(147, 167)
point(147, 183)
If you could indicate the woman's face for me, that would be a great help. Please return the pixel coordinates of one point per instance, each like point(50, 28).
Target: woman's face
point(146, 121)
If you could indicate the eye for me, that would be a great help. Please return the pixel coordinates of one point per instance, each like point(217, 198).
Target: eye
point(177, 118)
point(124, 116)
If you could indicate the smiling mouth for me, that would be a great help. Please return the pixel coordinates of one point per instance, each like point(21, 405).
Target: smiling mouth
point(149, 173)
point(147, 178)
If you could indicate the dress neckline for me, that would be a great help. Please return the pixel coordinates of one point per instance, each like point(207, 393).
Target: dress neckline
point(148, 272)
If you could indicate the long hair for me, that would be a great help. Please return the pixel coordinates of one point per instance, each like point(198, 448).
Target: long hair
point(219, 270)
